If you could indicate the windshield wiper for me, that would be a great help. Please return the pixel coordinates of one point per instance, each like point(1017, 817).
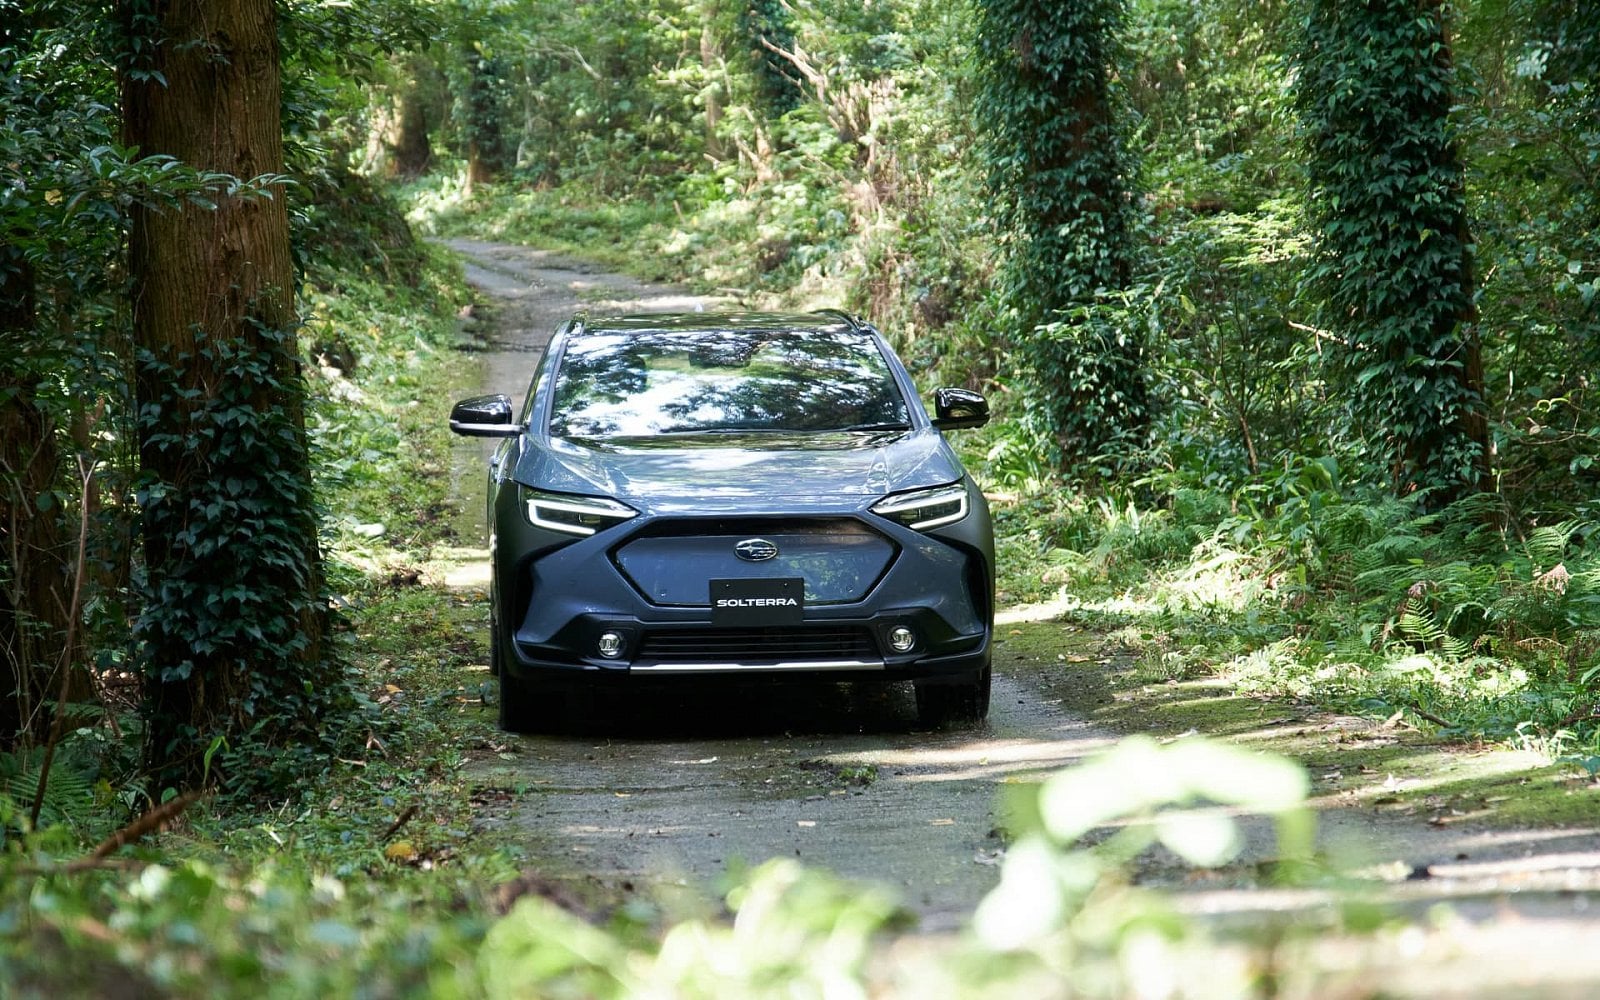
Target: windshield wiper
point(877, 427)
point(695, 431)
point(684, 431)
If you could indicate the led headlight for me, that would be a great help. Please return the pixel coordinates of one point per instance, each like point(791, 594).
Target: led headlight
point(574, 515)
point(924, 509)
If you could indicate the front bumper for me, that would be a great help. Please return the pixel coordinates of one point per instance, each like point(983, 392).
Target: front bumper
point(841, 647)
point(556, 600)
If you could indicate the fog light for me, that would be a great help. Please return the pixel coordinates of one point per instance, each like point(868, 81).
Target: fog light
point(901, 639)
point(610, 645)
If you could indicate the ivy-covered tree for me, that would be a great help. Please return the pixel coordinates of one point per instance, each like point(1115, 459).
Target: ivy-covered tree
point(480, 114)
point(1061, 179)
point(1394, 260)
point(232, 628)
point(768, 27)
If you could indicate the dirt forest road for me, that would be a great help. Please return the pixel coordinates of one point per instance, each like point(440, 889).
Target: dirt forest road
point(676, 785)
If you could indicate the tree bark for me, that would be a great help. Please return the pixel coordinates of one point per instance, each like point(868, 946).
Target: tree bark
point(232, 618)
point(484, 138)
point(413, 151)
point(711, 62)
point(33, 572)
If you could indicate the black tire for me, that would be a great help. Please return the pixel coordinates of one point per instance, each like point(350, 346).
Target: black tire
point(530, 706)
point(494, 646)
point(942, 703)
point(526, 705)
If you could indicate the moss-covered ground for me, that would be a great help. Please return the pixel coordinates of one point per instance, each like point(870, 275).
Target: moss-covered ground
point(1390, 764)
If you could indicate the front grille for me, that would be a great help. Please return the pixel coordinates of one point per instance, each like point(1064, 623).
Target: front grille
point(752, 645)
point(671, 562)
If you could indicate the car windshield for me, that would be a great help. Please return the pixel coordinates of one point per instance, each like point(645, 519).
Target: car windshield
point(647, 383)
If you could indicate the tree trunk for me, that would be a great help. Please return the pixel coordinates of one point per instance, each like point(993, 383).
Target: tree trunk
point(711, 62)
point(1375, 88)
point(767, 27)
point(484, 138)
point(231, 633)
point(413, 151)
point(33, 570)
point(1059, 174)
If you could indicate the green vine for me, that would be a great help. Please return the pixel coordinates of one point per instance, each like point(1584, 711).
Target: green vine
point(768, 25)
point(1061, 177)
point(231, 574)
point(1394, 265)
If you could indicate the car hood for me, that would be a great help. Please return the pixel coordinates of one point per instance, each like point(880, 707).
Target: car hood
point(742, 472)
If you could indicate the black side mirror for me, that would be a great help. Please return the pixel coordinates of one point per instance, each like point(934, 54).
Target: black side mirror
point(484, 416)
point(957, 408)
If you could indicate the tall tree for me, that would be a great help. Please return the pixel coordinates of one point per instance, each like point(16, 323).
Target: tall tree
point(1061, 180)
point(33, 578)
point(419, 111)
point(481, 118)
point(768, 25)
point(1394, 267)
point(232, 631)
point(24, 433)
point(52, 259)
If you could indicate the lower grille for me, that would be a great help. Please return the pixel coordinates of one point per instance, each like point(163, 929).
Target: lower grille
point(753, 645)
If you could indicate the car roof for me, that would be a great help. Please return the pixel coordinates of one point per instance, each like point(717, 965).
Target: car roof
point(825, 321)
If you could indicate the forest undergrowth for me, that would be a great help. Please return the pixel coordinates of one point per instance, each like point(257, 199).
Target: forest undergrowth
point(366, 874)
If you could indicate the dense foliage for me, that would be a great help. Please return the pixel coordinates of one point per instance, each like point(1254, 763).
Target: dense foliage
point(1394, 269)
point(210, 466)
point(1061, 181)
point(1196, 240)
point(1259, 287)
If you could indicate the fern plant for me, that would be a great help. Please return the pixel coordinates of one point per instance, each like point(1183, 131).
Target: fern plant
point(69, 794)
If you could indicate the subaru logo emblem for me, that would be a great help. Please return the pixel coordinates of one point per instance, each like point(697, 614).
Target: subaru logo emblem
point(755, 550)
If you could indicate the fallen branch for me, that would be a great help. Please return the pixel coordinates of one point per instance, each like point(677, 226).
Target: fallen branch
point(1587, 712)
point(394, 827)
point(150, 822)
point(100, 858)
point(1429, 716)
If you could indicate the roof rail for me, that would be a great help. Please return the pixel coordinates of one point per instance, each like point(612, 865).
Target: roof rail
point(855, 322)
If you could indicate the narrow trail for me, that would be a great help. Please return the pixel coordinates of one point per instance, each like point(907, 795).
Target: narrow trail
point(675, 784)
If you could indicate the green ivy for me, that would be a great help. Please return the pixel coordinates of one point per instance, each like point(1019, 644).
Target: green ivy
point(231, 575)
point(766, 25)
point(1061, 179)
point(1394, 271)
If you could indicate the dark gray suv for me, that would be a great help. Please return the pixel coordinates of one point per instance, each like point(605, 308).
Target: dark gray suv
point(755, 494)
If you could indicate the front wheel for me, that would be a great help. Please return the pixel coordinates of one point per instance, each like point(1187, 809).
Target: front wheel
point(942, 703)
point(494, 646)
point(526, 706)
point(530, 706)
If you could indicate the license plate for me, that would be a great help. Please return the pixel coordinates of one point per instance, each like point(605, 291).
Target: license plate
point(758, 602)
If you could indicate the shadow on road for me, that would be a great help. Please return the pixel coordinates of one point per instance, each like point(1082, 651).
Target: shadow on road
point(728, 708)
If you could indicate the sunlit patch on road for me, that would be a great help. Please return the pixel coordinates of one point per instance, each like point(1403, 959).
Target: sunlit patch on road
point(983, 758)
